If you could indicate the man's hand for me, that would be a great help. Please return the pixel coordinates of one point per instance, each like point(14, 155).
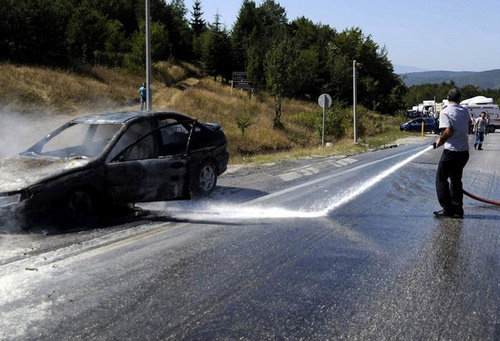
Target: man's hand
point(438, 143)
point(444, 136)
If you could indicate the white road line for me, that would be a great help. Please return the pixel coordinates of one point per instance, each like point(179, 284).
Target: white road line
point(338, 165)
point(310, 183)
point(290, 176)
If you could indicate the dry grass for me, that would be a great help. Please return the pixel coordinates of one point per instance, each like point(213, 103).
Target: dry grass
point(28, 89)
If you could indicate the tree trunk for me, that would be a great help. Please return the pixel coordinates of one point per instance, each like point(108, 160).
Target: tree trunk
point(277, 112)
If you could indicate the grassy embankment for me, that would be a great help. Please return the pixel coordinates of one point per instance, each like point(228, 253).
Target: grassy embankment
point(34, 90)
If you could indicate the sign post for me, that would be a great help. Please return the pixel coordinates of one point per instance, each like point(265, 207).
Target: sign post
point(354, 98)
point(324, 101)
point(149, 104)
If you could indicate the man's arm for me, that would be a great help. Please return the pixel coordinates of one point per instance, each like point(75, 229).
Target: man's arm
point(445, 135)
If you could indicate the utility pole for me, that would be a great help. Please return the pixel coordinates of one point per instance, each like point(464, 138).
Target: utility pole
point(354, 99)
point(149, 103)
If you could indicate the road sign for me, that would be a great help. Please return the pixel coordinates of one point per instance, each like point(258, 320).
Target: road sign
point(240, 81)
point(239, 76)
point(325, 101)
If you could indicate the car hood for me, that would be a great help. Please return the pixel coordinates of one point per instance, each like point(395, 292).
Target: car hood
point(20, 172)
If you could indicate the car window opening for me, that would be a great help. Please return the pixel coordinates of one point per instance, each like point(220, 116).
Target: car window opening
point(77, 140)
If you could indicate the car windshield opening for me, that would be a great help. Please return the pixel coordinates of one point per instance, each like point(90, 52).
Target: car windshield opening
point(78, 140)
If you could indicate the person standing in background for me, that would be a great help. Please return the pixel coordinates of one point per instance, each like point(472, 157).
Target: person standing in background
point(480, 129)
point(142, 93)
point(455, 121)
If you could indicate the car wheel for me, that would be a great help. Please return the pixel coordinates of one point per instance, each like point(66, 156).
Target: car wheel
point(204, 179)
point(79, 206)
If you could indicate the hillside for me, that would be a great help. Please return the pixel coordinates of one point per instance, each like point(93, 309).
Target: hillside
point(485, 79)
point(36, 100)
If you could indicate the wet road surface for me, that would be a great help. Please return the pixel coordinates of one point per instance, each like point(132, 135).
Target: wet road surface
point(238, 267)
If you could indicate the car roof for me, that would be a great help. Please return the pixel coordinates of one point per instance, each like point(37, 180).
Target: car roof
point(124, 116)
point(423, 118)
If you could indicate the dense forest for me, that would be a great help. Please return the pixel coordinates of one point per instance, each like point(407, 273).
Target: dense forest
point(299, 59)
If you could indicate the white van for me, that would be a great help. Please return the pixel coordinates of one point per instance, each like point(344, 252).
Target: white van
point(478, 104)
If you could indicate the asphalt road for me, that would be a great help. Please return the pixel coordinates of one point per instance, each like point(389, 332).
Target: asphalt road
point(272, 255)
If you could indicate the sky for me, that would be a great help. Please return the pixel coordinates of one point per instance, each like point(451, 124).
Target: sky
point(459, 35)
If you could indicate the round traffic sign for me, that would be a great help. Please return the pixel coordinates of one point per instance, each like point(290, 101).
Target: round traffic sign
point(324, 101)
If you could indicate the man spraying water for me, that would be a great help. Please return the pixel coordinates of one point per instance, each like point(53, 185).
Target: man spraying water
point(454, 119)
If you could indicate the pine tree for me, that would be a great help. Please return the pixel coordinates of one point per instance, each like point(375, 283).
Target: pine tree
point(243, 27)
point(197, 23)
point(216, 56)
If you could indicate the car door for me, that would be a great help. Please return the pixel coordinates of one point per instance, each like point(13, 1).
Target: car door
point(416, 124)
point(430, 125)
point(137, 172)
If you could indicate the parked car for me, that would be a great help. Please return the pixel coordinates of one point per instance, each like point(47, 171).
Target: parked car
point(117, 158)
point(431, 125)
point(412, 113)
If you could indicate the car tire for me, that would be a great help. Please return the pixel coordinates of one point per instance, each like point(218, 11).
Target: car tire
point(204, 178)
point(79, 206)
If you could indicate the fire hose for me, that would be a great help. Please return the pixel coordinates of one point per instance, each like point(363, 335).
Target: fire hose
point(473, 196)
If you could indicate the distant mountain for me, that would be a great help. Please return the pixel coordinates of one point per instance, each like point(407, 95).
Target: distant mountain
point(400, 69)
point(484, 79)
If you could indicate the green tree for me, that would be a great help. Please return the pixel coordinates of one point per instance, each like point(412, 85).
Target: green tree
point(243, 121)
point(172, 15)
point(271, 26)
point(216, 56)
point(34, 30)
point(179, 31)
point(159, 44)
point(376, 78)
point(87, 33)
point(198, 25)
point(243, 27)
point(280, 67)
point(312, 40)
point(123, 11)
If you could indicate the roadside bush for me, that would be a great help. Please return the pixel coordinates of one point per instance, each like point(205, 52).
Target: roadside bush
point(337, 121)
point(244, 120)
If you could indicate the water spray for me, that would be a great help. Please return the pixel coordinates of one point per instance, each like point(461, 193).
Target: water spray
point(242, 213)
point(239, 212)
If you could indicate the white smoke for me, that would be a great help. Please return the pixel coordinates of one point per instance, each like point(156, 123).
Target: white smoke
point(19, 131)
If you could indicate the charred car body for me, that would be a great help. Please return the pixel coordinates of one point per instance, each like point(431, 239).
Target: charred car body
point(118, 158)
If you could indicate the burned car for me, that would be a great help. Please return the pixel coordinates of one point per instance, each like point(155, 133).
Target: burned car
point(113, 158)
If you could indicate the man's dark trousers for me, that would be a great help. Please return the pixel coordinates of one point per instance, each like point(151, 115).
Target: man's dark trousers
point(450, 194)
